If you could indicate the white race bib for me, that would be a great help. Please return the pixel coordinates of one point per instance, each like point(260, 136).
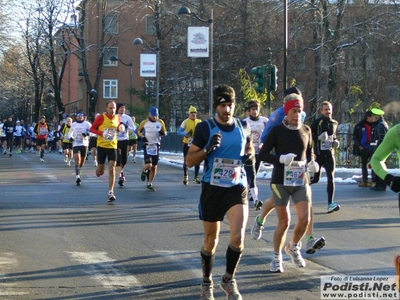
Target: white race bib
point(294, 175)
point(327, 145)
point(226, 172)
point(110, 134)
point(152, 149)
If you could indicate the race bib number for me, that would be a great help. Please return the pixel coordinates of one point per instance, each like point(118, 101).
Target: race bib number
point(226, 172)
point(110, 134)
point(152, 149)
point(43, 131)
point(327, 144)
point(294, 175)
point(78, 137)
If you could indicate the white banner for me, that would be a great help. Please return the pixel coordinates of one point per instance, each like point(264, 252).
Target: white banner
point(198, 41)
point(148, 65)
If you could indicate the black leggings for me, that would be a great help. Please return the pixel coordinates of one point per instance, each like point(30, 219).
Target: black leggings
point(10, 140)
point(251, 173)
point(329, 164)
point(185, 168)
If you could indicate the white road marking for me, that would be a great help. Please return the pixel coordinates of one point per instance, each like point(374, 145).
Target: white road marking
point(7, 261)
point(104, 270)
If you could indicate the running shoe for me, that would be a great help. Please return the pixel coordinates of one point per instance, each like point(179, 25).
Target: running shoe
point(364, 184)
point(258, 204)
point(231, 289)
point(143, 175)
point(333, 207)
point(4, 152)
point(121, 181)
point(207, 291)
point(295, 255)
point(185, 180)
point(315, 244)
point(69, 163)
point(10, 154)
point(256, 230)
point(150, 187)
point(197, 180)
point(276, 266)
point(134, 160)
point(65, 158)
point(95, 163)
point(41, 160)
point(78, 181)
point(111, 197)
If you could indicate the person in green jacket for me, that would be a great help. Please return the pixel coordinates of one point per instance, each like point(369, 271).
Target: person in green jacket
point(390, 143)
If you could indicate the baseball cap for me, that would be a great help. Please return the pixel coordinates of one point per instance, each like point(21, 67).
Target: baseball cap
point(154, 111)
point(377, 112)
point(192, 109)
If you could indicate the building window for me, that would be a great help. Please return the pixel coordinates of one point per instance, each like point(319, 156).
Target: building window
point(111, 24)
point(112, 51)
point(110, 88)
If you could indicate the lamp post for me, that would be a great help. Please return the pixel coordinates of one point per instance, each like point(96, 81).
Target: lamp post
point(186, 11)
point(139, 41)
point(114, 58)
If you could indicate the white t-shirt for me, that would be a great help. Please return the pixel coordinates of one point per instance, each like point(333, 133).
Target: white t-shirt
point(80, 133)
point(257, 128)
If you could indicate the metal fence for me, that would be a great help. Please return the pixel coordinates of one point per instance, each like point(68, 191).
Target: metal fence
point(344, 155)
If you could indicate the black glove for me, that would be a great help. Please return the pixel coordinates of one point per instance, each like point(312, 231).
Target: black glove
point(213, 144)
point(189, 134)
point(249, 159)
point(144, 140)
point(71, 139)
point(161, 132)
point(393, 182)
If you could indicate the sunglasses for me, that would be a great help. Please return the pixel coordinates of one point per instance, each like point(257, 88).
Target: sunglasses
point(193, 112)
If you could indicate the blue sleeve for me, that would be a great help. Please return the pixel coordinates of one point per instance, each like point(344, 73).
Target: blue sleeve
point(275, 119)
point(303, 116)
point(182, 131)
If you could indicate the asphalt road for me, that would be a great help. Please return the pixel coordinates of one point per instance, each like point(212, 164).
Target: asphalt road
point(62, 241)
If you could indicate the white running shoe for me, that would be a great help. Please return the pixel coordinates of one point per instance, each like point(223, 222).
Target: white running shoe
point(276, 266)
point(95, 163)
point(111, 197)
point(207, 291)
point(231, 289)
point(256, 230)
point(295, 255)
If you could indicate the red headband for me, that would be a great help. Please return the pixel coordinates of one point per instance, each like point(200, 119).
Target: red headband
point(291, 104)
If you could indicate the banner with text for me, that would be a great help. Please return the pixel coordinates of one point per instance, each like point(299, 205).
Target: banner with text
point(198, 41)
point(148, 65)
point(379, 287)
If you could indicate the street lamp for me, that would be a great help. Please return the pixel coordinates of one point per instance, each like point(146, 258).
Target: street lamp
point(139, 41)
point(186, 11)
point(114, 58)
